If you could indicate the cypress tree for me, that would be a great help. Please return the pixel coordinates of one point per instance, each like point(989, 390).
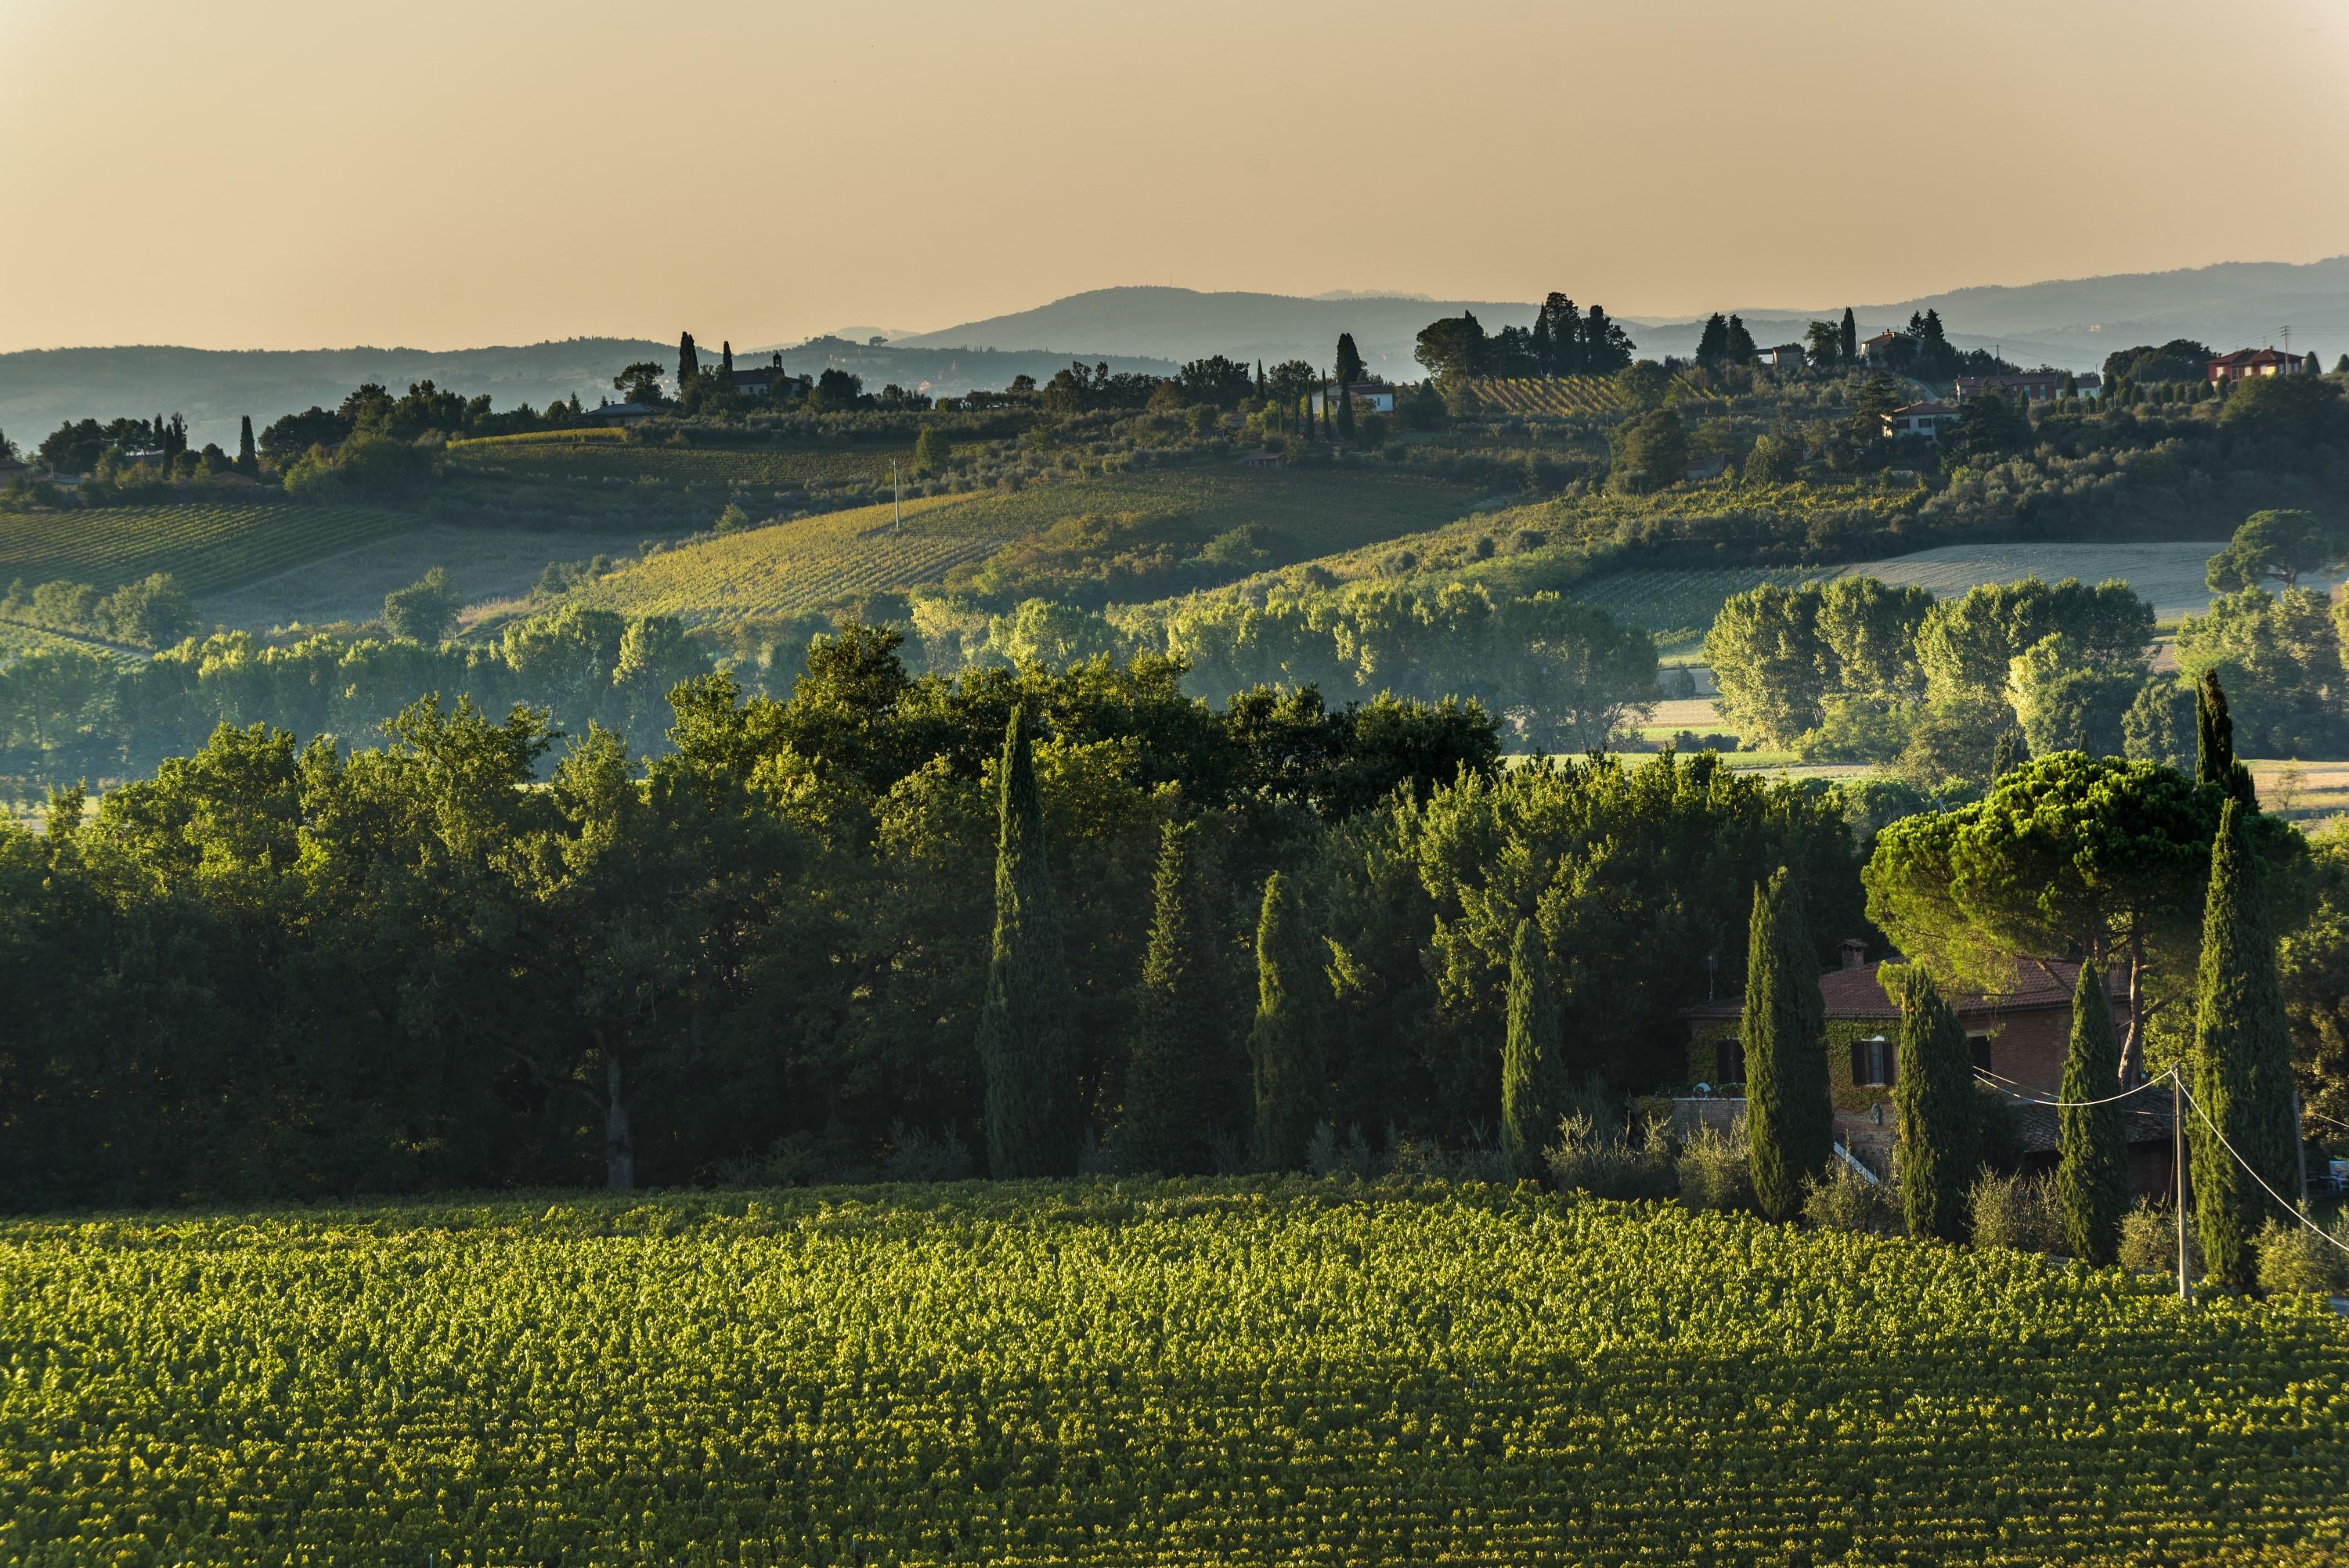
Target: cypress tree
point(1933, 1097)
point(1533, 1061)
point(1170, 1084)
point(1789, 1118)
point(726, 363)
point(2214, 743)
point(1284, 1046)
point(1850, 336)
point(1025, 1038)
point(248, 462)
point(2092, 1178)
point(689, 363)
point(2243, 1060)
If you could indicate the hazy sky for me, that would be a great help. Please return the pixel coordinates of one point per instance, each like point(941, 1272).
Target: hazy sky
point(293, 173)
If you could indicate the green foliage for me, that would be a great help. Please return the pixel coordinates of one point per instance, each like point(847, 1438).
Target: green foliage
point(1025, 1049)
point(2281, 659)
point(424, 611)
point(1171, 1084)
point(1933, 1094)
point(2159, 723)
point(1532, 1061)
point(2290, 410)
point(2284, 545)
point(2064, 703)
point(1651, 452)
point(933, 451)
point(2241, 1061)
point(1288, 1043)
point(2091, 1174)
point(1788, 1115)
point(151, 613)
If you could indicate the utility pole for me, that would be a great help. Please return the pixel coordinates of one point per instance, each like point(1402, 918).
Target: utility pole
point(896, 501)
point(2178, 1159)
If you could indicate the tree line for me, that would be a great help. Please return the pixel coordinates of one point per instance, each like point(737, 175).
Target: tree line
point(277, 967)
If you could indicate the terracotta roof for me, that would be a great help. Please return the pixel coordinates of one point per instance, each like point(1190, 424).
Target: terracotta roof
point(1854, 992)
point(2256, 356)
point(1925, 407)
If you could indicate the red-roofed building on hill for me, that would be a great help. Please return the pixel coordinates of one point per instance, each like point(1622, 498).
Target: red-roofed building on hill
point(2245, 363)
point(2019, 1034)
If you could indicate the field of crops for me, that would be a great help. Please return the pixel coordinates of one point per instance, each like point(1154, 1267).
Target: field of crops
point(1303, 513)
point(1127, 1374)
point(17, 639)
point(797, 566)
point(598, 456)
point(207, 545)
point(1560, 395)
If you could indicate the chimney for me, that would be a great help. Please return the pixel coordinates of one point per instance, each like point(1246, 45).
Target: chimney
point(1855, 953)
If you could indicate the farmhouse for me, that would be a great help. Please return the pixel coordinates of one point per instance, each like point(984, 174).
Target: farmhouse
point(2020, 1035)
point(1369, 398)
point(2249, 362)
point(1785, 356)
point(622, 414)
point(10, 469)
point(764, 380)
point(1877, 349)
point(1924, 419)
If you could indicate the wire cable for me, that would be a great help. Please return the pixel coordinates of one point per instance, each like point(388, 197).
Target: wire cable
point(2288, 1207)
point(2079, 1104)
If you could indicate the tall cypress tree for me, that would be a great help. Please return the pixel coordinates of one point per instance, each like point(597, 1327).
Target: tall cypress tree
point(2243, 1060)
point(2092, 1177)
point(1027, 1043)
point(1533, 1061)
point(248, 462)
point(688, 361)
point(726, 363)
point(1170, 1097)
point(2214, 743)
point(1933, 1097)
point(1789, 1118)
point(1284, 1046)
point(1850, 336)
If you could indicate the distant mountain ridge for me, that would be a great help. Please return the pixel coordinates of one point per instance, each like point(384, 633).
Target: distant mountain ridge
point(2069, 323)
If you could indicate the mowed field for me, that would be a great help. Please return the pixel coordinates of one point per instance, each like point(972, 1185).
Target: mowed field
point(1116, 1374)
point(207, 545)
point(811, 561)
point(1679, 606)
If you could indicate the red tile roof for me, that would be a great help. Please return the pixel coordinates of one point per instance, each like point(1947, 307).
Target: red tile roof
point(1854, 992)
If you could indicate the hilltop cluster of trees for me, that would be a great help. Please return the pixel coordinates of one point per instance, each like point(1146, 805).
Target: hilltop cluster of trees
point(1564, 340)
point(152, 613)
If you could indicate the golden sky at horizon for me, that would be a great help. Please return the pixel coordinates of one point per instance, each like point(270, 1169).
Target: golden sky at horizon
point(269, 173)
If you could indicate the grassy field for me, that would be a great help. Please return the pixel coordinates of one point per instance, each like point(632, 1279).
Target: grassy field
point(1679, 606)
point(593, 454)
point(812, 562)
point(208, 545)
point(1121, 1373)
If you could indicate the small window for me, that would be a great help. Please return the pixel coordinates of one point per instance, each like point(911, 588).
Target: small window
point(1729, 1061)
point(1980, 1044)
point(1872, 1063)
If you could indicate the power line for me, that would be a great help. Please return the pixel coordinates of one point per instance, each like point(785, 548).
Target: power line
point(2330, 1240)
point(2076, 1104)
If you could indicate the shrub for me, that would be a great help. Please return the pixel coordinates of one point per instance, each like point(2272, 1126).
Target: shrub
point(1712, 1171)
point(1595, 1158)
point(2292, 1259)
point(914, 1155)
point(1843, 1200)
point(2149, 1241)
point(2016, 1211)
